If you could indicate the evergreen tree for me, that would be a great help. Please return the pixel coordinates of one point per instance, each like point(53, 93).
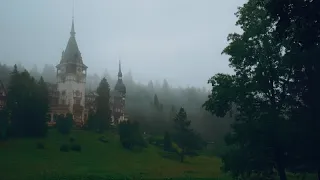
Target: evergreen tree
point(92, 123)
point(183, 133)
point(49, 73)
point(64, 123)
point(103, 113)
point(41, 108)
point(173, 112)
point(165, 86)
point(130, 135)
point(156, 101)
point(27, 104)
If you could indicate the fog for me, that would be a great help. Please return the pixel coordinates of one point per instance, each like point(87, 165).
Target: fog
point(180, 41)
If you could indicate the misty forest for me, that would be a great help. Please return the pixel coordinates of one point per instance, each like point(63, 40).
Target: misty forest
point(261, 121)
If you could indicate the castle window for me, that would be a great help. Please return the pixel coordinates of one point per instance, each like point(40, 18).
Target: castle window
point(77, 101)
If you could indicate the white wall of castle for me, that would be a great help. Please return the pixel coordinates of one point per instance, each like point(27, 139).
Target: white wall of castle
point(70, 85)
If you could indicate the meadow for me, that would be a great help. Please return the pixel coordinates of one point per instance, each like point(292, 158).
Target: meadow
point(21, 159)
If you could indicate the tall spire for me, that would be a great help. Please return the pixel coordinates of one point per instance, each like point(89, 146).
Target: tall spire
point(72, 33)
point(119, 73)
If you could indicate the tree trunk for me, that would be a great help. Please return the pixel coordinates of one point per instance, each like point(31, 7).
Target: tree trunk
point(318, 174)
point(280, 167)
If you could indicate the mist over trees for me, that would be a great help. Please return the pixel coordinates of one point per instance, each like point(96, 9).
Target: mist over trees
point(153, 117)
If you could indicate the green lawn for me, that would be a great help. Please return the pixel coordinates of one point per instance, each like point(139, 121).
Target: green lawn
point(20, 159)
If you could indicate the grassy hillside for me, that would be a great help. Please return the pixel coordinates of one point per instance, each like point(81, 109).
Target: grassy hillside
point(20, 159)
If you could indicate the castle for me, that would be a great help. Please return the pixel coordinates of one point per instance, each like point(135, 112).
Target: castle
point(69, 94)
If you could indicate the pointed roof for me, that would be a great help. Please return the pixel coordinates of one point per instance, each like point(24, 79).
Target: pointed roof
point(120, 87)
point(72, 53)
point(119, 72)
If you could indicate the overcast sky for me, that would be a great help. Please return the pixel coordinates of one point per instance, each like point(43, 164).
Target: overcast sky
point(180, 40)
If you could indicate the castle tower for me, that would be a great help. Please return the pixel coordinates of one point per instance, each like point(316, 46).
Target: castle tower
point(71, 78)
point(119, 98)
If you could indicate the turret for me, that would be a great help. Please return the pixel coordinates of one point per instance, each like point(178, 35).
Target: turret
point(120, 87)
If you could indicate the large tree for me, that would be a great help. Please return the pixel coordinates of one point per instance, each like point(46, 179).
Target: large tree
point(183, 135)
point(103, 112)
point(259, 89)
point(27, 105)
point(298, 24)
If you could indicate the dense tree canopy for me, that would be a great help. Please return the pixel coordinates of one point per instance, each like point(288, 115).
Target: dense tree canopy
point(103, 112)
point(27, 104)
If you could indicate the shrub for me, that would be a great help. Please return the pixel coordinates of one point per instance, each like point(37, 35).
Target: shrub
point(130, 135)
point(76, 147)
point(72, 139)
point(64, 148)
point(64, 123)
point(40, 145)
point(103, 139)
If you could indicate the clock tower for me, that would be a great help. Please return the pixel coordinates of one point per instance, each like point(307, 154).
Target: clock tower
point(71, 78)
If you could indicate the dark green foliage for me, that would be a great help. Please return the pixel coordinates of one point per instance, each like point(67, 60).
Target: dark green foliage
point(167, 142)
point(76, 147)
point(261, 90)
point(184, 135)
point(92, 123)
point(27, 103)
point(103, 139)
point(72, 139)
point(4, 124)
point(297, 26)
point(103, 113)
point(64, 148)
point(64, 123)
point(130, 135)
point(40, 145)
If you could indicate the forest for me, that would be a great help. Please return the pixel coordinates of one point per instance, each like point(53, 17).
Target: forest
point(143, 101)
point(264, 115)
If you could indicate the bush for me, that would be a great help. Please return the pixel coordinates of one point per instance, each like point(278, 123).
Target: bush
point(64, 123)
point(40, 145)
point(103, 139)
point(130, 135)
point(72, 139)
point(64, 148)
point(76, 147)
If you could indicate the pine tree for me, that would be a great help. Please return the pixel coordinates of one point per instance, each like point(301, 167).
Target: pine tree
point(64, 123)
point(42, 107)
point(27, 104)
point(183, 133)
point(156, 101)
point(103, 113)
